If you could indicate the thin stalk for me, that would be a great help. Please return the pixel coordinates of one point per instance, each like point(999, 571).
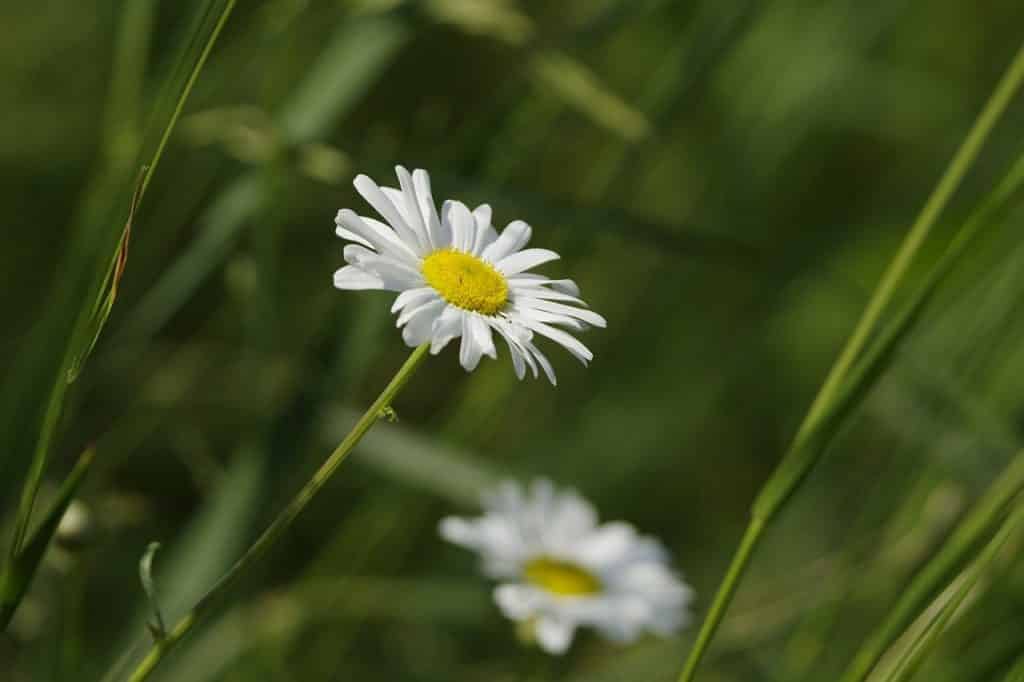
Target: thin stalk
point(917, 650)
point(284, 520)
point(77, 340)
point(54, 406)
point(840, 392)
point(926, 219)
point(225, 13)
point(722, 598)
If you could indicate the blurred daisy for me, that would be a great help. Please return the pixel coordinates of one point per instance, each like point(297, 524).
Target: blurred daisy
point(559, 569)
point(458, 278)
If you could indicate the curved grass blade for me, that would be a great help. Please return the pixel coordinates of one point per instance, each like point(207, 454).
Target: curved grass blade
point(922, 644)
point(92, 312)
point(157, 626)
point(855, 371)
point(19, 572)
point(965, 539)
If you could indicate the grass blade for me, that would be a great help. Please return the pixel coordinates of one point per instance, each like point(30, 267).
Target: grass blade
point(19, 572)
point(968, 534)
point(922, 644)
point(841, 392)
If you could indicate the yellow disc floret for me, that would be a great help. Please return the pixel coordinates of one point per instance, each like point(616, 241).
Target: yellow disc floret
point(561, 577)
point(465, 281)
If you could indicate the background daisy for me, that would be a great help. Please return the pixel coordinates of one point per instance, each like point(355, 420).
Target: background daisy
point(559, 569)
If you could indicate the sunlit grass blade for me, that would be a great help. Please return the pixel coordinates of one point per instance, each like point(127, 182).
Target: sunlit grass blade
point(93, 310)
point(918, 648)
point(977, 525)
point(108, 294)
point(841, 391)
point(19, 571)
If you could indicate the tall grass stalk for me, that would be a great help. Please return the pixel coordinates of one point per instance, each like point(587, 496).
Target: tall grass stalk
point(87, 326)
point(841, 391)
point(986, 513)
point(283, 521)
point(924, 641)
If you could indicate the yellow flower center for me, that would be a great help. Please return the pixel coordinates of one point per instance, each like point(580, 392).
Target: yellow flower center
point(465, 281)
point(561, 577)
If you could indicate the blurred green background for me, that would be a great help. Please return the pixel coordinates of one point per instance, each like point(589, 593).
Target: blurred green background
point(726, 181)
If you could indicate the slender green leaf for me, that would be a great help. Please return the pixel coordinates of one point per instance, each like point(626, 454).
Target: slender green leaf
point(22, 568)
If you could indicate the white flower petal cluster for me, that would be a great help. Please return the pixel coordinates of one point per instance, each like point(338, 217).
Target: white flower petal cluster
point(457, 277)
point(559, 569)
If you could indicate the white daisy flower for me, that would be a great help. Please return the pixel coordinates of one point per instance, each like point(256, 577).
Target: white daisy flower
point(559, 569)
point(457, 277)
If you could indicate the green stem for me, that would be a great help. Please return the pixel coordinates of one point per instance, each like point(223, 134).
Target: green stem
point(940, 196)
point(722, 598)
point(179, 106)
point(56, 398)
point(284, 520)
point(54, 407)
point(838, 395)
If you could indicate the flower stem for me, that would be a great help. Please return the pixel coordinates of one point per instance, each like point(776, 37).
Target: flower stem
point(284, 520)
point(840, 392)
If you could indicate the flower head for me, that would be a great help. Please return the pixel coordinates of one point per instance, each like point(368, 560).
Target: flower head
point(559, 569)
point(457, 277)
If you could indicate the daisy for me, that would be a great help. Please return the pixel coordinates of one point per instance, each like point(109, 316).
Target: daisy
point(457, 277)
point(559, 569)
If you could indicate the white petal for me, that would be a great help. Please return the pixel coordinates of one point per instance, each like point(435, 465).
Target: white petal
point(412, 297)
point(515, 349)
point(482, 336)
point(554, 635)
point(440, 235)
point(412, 309)
point(447, 327)
point(524, 260)
point(417, 329)
point(531, 317)
point(418, 234)
point(351, 277)
point(587, 316)
point(413, 207)
point(352, 236)
point(572, 517)
point(567, 341)
point(381, 237)
point(513, 238)
point(518, 290)
point(533, 279)
point(518, 602)
point(607, 545)
point(380, 202)
point(545, 364)
point(462, 224)
point(470, 351)
point(396, 275)
point(485, 232)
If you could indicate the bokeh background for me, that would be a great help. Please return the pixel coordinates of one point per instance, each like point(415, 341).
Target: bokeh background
point(726, 180)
